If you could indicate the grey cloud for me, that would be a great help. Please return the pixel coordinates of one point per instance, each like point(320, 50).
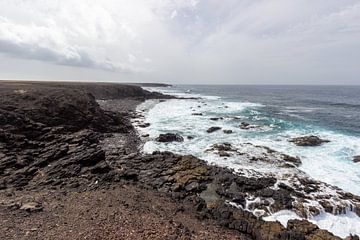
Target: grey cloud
point(206, 41)
point(28, 51)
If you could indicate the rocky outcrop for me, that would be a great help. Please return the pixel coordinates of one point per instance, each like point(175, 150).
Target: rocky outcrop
point(247, 126)
point(52, 138)
point(308, 141)
point(223, 195)
point(213, 129)
point(170, 137)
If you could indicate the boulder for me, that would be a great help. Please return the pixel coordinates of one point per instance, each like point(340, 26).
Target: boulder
point(356, 159)
point(170, 137)
point(213, 129)
point(308, 141)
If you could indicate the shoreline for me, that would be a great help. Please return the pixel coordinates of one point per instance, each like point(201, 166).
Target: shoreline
point(199, 189)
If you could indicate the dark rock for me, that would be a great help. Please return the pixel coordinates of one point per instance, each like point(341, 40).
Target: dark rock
point(308, 141)
point(197, 114)
point(222, 147)
point(224, 154)
point(247, 126)
point(169, 137)
point(216, 118)
point(213, 129)
point(244, 125)
point(144, 125)
point(227, 131)
point(356, 159)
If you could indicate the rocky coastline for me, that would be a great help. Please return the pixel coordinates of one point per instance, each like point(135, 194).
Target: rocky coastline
point(71, 168)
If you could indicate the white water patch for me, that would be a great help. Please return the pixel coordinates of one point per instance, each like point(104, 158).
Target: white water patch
point(331, 163)
point(340, 225)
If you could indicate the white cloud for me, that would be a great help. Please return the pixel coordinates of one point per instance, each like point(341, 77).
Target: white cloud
point(204, 41)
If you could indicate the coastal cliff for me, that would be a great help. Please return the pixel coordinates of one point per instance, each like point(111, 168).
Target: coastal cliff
point(70, 167)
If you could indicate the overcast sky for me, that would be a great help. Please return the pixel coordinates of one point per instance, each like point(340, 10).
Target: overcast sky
point(182, 41)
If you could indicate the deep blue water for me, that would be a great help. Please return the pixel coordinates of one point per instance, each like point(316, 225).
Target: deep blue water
point(333, 107)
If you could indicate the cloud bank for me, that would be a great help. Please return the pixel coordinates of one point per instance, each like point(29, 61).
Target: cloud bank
point(182, 41)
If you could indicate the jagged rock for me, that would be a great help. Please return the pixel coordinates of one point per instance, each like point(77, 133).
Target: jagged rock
point(247, 126)
point(170, 137)
point(311, 231)
point(144, 125)
point(222, 147)
point(224, 154)
point(308, 141)
point(213, 129)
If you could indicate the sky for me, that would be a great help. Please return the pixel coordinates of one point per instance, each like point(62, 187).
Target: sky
point(182, 41)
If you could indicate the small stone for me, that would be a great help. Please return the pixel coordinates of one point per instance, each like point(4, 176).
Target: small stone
point(32, 207)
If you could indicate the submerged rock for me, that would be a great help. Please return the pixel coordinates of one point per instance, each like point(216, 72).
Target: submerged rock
point(247, 126)
point(170, 137)
point(213, 129)
point(216, 118)
point(308, 141)
point(227, 131)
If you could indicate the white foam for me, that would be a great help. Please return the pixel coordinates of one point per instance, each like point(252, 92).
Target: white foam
point(340, 225)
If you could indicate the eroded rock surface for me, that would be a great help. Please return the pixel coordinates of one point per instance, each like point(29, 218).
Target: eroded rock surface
point(170, 137)
point(308, 141)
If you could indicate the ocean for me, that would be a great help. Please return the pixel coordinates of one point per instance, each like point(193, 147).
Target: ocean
point(280, 112)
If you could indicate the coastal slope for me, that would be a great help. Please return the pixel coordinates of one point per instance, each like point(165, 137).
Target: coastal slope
point(70, 168)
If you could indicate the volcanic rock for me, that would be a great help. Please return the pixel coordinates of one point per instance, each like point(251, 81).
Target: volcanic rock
point(170, 137)
point(308, 141)
point(227, 131)
point(213, 129)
